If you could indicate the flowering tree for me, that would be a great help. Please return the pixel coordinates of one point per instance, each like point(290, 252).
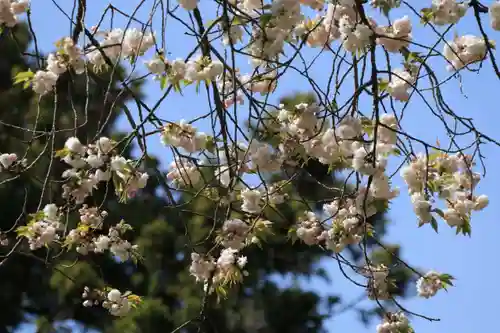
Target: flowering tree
point(306, 178)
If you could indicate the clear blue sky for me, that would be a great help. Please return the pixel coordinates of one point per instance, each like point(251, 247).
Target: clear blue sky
point(469, 307)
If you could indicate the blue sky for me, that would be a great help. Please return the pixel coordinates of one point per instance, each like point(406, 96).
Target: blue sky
point(472, 304)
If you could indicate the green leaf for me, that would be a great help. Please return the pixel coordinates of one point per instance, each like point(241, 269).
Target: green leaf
point(385, 9)
point(383, 85)
point(396, 152)
point(24, 77)
point(381, 205)
point(368, 129)
point(210, 144)
point(237, 20)
point(435, 155)
point(367, 125)
point(163, 82)
point(466, 229)
point(439, 212)
point(433, 186)
point(292, 235)
point(265, 18)
point(22, 231)
point(434, 224)
point(447, 278)
point(62, 153)
point(221, 291)
point(259, 244)
point(427, 15)
point(413, 56)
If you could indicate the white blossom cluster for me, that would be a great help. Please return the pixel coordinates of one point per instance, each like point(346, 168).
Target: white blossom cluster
point(395, 323)
point(310, 229)
point(494, 13)
point(401, 81)
point(232, 35)
point(346, 228)
point(275, 194)
point(235, 164)
point(355, 35)
point(447, 11)
point(9, 9)
point(69, 55)
point(385, 4)
point(319, 31)
point(201, 267)
point(184, 135)
point(114, 242)
point(451, 178)
point(44, 82)
point(342, 22)
point(464, 50)
point(4, 240)
point(234, 234)
point(251, 201)
point(429, 284)
point(7, 161)
point(91, 216)
point(86, 238)
point(267, 44)
point(97, 163)
point(188, 4)
point(43, 228)
point(197, 70)
point(348, 225)
point(229, 86)
point(203, 69)
point(162, 68)
point(227, 267)
point(378, 283)
point(232, 85)
point(117, 303)
point(264, 83)
point(184, 172)
point(398, 35)
point(263, 158)
point(117, 44)
point(129, 180)
point(314, 4)
point(82, 237)
point(300, 122)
